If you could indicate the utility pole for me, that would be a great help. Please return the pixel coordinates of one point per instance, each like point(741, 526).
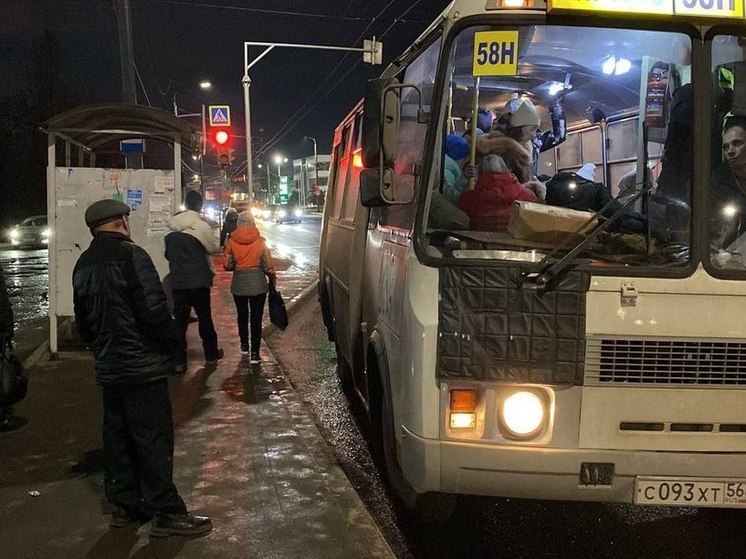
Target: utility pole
point(126, 51)
point(315, 169)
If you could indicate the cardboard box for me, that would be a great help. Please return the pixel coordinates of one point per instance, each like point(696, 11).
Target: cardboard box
point(548, 224)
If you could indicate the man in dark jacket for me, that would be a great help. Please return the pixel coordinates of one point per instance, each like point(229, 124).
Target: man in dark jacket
point(6, 332)
point(189, 250)
point(121, 313)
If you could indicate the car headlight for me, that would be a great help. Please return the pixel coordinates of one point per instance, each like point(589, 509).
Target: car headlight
point(14, 234)
point(298, 213)
point(46, 233)
point(523, 414)
point(282, 213)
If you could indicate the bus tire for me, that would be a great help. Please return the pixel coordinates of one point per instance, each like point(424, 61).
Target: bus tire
point(430, 507)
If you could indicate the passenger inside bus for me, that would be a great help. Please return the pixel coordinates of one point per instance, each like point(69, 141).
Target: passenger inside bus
point(490, 203)
point(728, 200)
point(520, 122)
point(456, 167)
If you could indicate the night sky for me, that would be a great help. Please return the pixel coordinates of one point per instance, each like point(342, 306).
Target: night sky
point(58, 55)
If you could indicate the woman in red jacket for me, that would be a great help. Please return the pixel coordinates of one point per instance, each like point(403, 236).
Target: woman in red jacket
point(247, 255)
point(490, 203)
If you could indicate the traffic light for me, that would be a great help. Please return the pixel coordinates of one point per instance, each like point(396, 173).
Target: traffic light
point(223, 151)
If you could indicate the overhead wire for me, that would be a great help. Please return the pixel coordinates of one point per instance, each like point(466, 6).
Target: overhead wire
point(291, 123)
point(212, 6)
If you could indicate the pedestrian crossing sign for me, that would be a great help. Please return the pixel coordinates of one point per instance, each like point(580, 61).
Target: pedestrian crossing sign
point(220, 115)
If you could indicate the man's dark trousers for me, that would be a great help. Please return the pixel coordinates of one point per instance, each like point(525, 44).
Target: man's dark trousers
point(139, 449)
point(199, 299)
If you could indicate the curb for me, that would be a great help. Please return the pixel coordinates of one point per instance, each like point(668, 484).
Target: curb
point(309, 290)
point(41, 350)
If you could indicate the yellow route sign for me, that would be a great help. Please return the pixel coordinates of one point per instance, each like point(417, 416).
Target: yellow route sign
point(495, 53)
point(693, 8)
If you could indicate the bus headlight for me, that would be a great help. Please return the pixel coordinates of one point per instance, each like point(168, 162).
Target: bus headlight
point(14, 234)
point(523, 414)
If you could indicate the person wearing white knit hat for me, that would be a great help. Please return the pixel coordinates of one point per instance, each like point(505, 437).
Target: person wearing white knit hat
point(520, 122)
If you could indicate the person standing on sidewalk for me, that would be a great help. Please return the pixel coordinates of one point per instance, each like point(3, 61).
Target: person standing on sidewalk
point(6, 332)
point(189, 250)
point(121, 313)
point(230, 222)
point(247, 255)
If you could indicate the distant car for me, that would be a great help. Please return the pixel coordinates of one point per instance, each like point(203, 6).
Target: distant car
point(257, 210)
point(285, 213)
point(268, 213)
point(32, 232)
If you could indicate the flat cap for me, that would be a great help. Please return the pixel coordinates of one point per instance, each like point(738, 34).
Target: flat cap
point(105, 211)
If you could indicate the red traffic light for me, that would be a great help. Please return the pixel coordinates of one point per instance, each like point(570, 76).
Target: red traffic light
point(221, 137)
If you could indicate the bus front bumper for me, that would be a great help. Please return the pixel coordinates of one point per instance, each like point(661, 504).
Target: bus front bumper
point(551, 473)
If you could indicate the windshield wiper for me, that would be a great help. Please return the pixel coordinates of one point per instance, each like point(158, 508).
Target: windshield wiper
point(543, 273)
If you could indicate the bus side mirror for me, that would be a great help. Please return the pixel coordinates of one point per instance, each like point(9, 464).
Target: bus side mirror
point(370, 189)
point(372, 118)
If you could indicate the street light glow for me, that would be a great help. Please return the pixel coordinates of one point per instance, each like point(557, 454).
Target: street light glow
point(205, 84)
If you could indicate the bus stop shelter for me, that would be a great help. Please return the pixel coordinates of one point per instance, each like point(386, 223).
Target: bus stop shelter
point(127, 142)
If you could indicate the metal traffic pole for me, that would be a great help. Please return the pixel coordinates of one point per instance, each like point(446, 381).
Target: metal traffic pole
point(372, 53)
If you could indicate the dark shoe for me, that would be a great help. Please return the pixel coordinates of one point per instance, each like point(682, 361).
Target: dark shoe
point(244, 348)
point(255, 359)
point(165, 525)
point(214, 361)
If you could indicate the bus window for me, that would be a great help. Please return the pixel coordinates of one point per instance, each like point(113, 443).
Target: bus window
point(341, 162)
point(353, 182)
point(420, 72)
point(568, 127)
point(727, 223)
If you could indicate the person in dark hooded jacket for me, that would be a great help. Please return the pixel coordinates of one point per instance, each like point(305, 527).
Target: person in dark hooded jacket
point(230, 221)
point(121, 313)
point(6, 333)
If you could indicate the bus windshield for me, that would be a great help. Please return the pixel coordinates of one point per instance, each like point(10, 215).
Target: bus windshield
point(576, 128)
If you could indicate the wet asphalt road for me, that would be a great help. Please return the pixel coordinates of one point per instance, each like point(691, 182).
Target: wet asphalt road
point(27, 277)
point(491, 527)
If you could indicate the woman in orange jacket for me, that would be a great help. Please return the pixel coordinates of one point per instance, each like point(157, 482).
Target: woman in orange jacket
point(247, 255)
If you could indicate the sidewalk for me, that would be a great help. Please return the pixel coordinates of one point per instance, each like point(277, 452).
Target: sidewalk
point(247, 454)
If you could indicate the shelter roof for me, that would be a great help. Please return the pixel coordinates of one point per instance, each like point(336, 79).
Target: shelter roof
point(92, 126)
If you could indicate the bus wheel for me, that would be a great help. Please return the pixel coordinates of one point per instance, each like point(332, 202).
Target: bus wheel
point(344, 372)
point(428, 507)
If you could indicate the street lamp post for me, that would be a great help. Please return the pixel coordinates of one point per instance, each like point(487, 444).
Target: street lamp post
point(269, 187)
point(315, 168)
point(279, 159)
point(204, 85)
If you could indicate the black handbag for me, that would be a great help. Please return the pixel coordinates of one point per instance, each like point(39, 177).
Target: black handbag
point(278, 314)
point(13, 378)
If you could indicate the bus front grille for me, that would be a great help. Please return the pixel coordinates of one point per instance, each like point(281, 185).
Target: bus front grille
point(661, 361)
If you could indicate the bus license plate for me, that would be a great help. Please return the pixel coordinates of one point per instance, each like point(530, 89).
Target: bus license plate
point(687, 492)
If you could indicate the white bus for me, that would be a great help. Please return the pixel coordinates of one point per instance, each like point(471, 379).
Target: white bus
point(597, 360)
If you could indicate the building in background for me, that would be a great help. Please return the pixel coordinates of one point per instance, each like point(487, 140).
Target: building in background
point(311, 192)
